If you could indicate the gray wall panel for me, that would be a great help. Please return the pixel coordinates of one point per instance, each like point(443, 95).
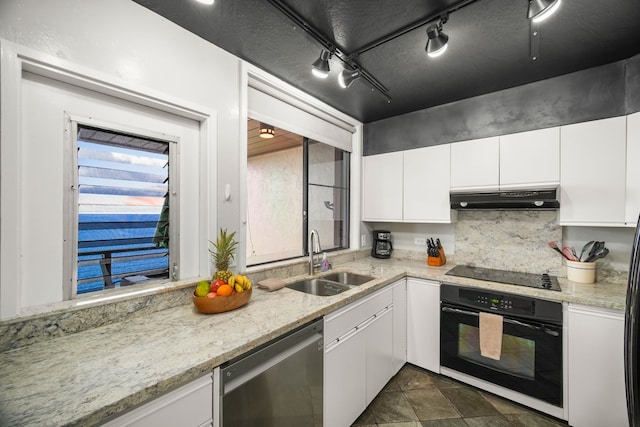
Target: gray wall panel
point(577, 97)
point(633, 85)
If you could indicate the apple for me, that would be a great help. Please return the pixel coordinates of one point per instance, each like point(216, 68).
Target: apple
point(216, 284)
point(212, 295)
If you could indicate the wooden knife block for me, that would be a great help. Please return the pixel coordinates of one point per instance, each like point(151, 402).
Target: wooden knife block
point(437, 261)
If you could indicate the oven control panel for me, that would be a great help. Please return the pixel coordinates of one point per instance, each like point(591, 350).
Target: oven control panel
point(497, 302)
point(502, 303)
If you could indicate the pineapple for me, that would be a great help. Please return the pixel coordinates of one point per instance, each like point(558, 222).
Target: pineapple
point(223, 254)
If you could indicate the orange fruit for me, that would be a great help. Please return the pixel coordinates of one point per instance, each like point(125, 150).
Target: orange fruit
point(224, 290)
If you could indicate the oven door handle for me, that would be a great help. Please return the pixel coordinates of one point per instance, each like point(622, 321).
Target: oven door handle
point(504, 319)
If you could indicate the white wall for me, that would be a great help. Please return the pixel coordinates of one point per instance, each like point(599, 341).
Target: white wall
point(274, 206)
point(130, 46)
point(126, 43)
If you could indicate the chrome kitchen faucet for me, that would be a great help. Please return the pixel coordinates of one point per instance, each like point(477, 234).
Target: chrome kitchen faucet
point(313, 249)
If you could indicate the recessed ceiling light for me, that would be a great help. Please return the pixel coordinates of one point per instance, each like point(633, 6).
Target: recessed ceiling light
point(209, 2)
point(267, 131)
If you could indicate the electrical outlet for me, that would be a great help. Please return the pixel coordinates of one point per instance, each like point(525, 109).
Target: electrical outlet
point(363, 240)
point(420, 241)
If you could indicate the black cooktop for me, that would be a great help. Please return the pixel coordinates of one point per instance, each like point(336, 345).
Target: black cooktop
point(540, 281)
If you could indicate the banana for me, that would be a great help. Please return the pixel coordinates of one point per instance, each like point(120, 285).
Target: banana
point(239, 288)
point(231, 281)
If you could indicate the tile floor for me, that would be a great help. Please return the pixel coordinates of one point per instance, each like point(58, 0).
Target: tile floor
point(418, 398)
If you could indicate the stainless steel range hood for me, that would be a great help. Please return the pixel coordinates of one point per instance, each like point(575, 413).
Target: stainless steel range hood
point(507, 200)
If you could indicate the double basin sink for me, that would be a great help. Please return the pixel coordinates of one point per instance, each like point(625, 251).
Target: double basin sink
point(330, 284)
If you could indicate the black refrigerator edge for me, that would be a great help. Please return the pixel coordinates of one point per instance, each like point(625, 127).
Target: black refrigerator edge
point(631, 339)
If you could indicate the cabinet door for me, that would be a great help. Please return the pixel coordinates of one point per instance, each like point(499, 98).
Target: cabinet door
point(530, 159)
point(596, 367)
point(427, 184)
point(382, 187)
point(592, 173)
point(423, 324)
point(633, 169)
point(189, 405)
point(475, 164)
point(379, 352)
point(399, 325)
point(344, 380)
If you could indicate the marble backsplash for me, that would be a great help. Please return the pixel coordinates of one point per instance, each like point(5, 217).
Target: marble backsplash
point(509, 240)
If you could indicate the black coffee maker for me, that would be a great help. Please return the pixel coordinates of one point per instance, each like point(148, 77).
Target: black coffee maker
point(382, 246)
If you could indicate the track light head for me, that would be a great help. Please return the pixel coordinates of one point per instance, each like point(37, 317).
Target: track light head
point(437, 40)
point(320, 67)
point(346, 78)
point(539, 10)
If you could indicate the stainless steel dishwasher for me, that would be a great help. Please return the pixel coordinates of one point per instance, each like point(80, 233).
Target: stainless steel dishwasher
point(278, 385)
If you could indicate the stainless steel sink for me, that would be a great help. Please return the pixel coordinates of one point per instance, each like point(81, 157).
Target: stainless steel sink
point(330, 284)
point(347, 278)
point(319, 287)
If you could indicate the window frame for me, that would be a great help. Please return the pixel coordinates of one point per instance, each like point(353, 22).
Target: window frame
point(71, 194)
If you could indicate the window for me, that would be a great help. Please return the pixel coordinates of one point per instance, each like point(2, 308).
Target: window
point(294, 185)
point(124, 209)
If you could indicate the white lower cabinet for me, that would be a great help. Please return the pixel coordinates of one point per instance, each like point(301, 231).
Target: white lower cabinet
point(190, 405)
point(596, 367)
point(399, 324)
point(358, 358)
point(423, 324)
point(344, 384)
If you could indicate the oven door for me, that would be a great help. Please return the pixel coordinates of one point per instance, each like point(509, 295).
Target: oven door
point(531, 360)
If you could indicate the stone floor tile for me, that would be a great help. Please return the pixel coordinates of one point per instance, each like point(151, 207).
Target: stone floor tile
point(533, 419)
point(392, 406)
point(504, 406)
point(431, 404)
point(452, 422)
point(402, 424)
point(366, 419)
point(490, 421)
point(410, 378)
point(469, 402)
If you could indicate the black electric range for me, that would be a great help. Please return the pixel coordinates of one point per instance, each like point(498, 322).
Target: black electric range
point(540, 281)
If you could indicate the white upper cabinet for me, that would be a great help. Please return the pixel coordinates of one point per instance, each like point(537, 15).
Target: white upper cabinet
point(382, 187)
point(632, 210)
point(407, 186)
point(475, 164)
point(530, 159)
point(592, 173)
point(426, 185)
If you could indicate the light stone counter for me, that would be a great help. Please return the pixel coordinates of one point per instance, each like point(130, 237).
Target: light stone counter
point(86, 377)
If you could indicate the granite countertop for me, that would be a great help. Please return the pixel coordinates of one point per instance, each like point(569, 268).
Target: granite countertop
point(87, 377)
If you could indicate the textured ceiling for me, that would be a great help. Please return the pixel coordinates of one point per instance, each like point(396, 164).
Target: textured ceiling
point(489, 45)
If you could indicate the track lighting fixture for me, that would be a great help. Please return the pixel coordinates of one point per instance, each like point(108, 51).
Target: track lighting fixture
point(346, 78)
point(267, 131)
point(437, 42)
point(539, 10)
point(320, 67)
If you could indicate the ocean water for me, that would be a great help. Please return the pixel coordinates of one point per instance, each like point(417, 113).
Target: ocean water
point(100, 233)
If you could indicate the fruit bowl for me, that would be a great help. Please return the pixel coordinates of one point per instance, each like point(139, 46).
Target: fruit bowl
point(220, 304)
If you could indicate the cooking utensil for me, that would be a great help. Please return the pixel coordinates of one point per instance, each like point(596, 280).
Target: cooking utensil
point(584, 249)
point(595, 248)
point(569, 253)
point(601, 253)
point(555, 247)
